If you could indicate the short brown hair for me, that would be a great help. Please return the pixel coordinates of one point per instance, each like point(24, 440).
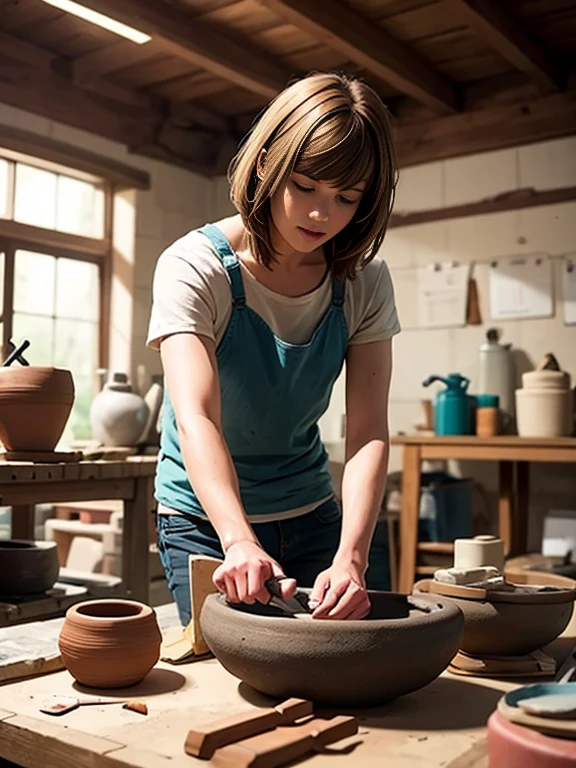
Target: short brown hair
point(332, 128)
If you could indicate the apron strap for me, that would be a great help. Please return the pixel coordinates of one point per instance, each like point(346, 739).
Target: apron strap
point(229, 259)
point(337, 292)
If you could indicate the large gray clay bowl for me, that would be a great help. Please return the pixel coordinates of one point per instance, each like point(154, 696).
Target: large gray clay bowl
point(27, 567)
point(401, 646)
point(505, 624)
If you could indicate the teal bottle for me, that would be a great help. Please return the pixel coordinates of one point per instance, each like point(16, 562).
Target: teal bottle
point(454, 408)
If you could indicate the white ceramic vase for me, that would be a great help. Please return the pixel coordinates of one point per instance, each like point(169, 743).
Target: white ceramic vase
point(118, 415)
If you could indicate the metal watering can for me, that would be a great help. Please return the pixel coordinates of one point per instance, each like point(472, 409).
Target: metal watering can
point(454, 409)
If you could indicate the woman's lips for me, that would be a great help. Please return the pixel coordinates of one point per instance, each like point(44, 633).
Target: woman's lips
point(310, 234)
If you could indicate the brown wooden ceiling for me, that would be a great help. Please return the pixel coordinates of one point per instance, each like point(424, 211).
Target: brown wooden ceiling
point(459, 76)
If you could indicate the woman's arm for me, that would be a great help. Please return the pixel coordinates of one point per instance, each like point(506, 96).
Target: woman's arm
point(340, 591)
point(191, 371)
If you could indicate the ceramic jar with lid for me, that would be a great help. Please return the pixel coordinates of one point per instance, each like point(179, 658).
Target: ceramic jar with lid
point(544, 404)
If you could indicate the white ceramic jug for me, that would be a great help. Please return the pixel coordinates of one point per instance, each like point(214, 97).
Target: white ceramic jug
point(118, 415)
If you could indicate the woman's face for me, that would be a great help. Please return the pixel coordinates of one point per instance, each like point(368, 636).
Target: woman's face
point(308, 213)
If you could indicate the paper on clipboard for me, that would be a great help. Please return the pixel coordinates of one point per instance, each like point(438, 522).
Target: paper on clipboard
point(442, 295)
point(521, 287)
point(569, 289)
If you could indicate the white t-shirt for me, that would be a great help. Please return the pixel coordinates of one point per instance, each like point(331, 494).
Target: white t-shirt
point(191, 294)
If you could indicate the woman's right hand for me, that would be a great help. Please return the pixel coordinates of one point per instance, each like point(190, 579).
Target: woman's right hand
point(243, 575)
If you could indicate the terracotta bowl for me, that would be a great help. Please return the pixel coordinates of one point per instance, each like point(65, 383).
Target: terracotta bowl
point(35, 404)
point(110, 643)
point(27, 567)
point(509, 624)
point(401, 646)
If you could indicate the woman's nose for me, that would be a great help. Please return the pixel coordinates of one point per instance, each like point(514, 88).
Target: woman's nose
point(318, 214)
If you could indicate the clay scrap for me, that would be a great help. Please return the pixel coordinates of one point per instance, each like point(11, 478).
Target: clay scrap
point(266, 738)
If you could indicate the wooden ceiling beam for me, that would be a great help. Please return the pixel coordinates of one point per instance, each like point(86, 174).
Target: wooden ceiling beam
point(337, 26)
point(200, 44)
point(491, 128)
point(491, 21)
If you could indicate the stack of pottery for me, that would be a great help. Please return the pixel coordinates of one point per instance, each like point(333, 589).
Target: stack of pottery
point(544, 405)
point(35, 403)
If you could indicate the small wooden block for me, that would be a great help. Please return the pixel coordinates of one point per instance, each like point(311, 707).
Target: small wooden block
point(293, 709)
point(204, 739)
point(267, 750)
point(285, 743)
point(202, 569)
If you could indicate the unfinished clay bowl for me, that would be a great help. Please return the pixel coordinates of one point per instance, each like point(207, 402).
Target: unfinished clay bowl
point(401, 646)
point(35, 403)
point(110, 643)
point(27, 567)
point(499, 623)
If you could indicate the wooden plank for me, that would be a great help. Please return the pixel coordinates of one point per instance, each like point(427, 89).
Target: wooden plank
point(23, 521)
point(411, 467)
point(135, 539)
point(497, 127)
point(509, 201)
point(200, 44)
point(506, 506)
point(492, 21)
point(73, 490)
point(110, 58)
point(521, 522)
point(500, 453)
point(42, 92)
point(14, 230)
point(493, 442)
point(23, 739)
point(336, 25)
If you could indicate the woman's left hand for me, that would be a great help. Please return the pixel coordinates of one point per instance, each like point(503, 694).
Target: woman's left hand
point(340, 593)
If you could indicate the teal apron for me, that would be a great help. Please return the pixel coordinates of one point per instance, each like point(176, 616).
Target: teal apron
point(273, 393)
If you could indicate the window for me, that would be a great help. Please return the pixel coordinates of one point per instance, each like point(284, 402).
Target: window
point(54, 256)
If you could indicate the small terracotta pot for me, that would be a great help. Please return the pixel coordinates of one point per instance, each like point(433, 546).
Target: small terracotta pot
point(110, 643)
point(509, 623)
point(27, 567)
point(401, 646)
point(35, 404)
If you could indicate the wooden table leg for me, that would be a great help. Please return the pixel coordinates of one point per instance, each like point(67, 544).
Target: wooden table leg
point(409, 517)
point(23, 521)
point(522, 507)
point(135, 540)
point(506, 505)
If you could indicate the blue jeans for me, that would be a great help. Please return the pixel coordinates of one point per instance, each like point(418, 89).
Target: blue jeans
point(303, 546)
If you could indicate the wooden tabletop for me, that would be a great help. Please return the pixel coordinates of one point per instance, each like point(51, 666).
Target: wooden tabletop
point(513, 441)
point(39, 472)
point(433, 727)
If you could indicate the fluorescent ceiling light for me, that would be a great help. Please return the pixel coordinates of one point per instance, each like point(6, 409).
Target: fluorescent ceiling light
point(100, 20)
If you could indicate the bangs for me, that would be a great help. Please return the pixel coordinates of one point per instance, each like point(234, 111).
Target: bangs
point(339, 152)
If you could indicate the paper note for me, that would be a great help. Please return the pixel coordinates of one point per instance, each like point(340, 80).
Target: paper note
point(521, 287)
point(569, 289)
point(442, 294)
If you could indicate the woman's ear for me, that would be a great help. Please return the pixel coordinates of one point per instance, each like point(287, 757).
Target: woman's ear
point(260, 164)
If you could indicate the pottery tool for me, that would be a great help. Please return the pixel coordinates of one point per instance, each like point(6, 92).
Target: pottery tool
point(296, 606)
point(16, 354)
point(60, 705)
point(204, 739)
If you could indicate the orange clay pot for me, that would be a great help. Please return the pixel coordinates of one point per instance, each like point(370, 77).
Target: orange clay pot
point(110, 643)
point(35, 403)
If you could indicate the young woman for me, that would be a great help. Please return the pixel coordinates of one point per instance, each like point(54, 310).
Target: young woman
point(254, 317)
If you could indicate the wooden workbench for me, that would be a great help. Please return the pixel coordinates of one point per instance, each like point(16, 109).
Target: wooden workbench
point(24, 484)
point(513, 454)
point(444, 724)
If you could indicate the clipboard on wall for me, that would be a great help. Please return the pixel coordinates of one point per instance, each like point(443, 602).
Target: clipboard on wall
point(569, 288)
point(521, 288)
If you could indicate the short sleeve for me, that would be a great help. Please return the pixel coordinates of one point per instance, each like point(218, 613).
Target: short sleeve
point(187, 277)
point(374, 308)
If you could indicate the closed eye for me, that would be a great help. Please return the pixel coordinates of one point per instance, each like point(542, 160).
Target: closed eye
point(301, 187)
point(345, 200)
